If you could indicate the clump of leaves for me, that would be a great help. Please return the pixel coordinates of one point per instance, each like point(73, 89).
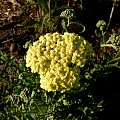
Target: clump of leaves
point(22, 98)
point(20, 87)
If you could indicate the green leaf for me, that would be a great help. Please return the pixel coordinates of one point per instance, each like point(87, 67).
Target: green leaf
point(63, 23)
point(33, 93)
point(16, 118)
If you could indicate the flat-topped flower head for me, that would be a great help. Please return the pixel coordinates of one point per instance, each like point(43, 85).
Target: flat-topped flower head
point(101, 25)
point(51, 57)
point(114, 39)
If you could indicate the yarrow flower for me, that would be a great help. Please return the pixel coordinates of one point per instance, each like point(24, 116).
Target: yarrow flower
point(57, 59)
point(101, 24)
point(68, 13)
point(114, 39)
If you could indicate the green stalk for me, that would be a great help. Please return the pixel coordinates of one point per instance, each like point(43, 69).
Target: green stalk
point(68, 22)
point(108, 45)
point(103, 35)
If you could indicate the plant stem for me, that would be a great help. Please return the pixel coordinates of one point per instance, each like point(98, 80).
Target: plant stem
point(107, 45)
point(70, 2)
point(38, 14)
point(68, 22)
point(81, 5)
point(116, 59)
point(111, 14)
point(49, 6)
point(103, 35)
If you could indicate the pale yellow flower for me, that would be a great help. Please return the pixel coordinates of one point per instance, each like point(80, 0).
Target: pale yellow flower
point(53, 56)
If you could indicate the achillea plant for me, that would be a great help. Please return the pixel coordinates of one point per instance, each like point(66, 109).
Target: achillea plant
point(57, 59)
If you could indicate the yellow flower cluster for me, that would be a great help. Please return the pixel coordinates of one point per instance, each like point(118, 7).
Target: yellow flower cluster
point(57, 59)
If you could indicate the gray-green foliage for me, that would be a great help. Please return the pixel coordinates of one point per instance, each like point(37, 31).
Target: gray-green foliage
point(17, 96)
point(22, 98)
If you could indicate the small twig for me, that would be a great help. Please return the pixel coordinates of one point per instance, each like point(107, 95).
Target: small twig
point(116, 59)
point(49, 5)
point(7, 40)
point(69, 3)
point(111, 14)
point(14, 2)
point(106, 45)
point(38, 17)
